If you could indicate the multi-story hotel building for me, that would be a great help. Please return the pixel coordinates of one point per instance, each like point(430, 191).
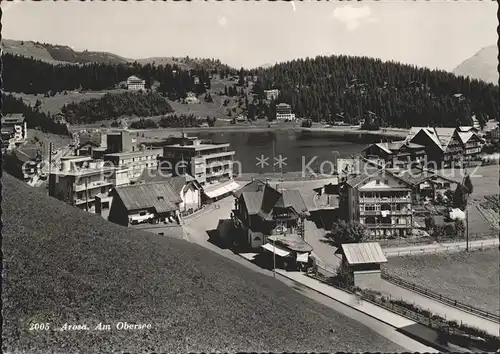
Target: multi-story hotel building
point(380, 201)
point(135, 161)
point(14, 130)
point(284, 112)
point(272, 94)
point(79, 182)
point(207, 163)
point(472, 145)
point(135, 84)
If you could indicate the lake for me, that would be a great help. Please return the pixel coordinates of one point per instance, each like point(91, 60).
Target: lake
point(297, 148)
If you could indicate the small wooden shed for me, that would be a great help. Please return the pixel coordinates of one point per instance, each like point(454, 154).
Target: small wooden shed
point(361, 263)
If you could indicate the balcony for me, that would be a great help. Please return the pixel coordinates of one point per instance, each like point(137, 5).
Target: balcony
point(387, 212)
point(219, 163)
point(91, 185)
point(385, 200)
point(388, 226)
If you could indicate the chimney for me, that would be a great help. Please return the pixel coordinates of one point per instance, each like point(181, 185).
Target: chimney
point(253, 179)
point(267, 181)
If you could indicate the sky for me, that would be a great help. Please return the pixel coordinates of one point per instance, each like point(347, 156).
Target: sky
point(438, 34)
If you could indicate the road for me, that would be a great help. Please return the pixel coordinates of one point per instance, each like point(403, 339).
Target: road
point(194, 229)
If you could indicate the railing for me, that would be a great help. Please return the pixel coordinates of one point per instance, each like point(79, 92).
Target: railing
point(419, 241)
point(444, 299)
point(388, 212)
point(384, 200)
point(428, 320)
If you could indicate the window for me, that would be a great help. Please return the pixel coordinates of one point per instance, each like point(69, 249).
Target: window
point(377, 182)
point(105, 205)
point(386, 181)
point(142, 213)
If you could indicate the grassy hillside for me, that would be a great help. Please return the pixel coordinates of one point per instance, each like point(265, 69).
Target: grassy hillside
point(86, 270)
point(57, 54)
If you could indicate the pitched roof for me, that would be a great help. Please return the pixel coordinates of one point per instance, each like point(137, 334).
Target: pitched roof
point(176, 182)
point(254, 186)
point(430, 132)
point(159, 196)
point(444, 135)
point(291, 198)
point(365, 252)
point(253, 201)
point(262, 202)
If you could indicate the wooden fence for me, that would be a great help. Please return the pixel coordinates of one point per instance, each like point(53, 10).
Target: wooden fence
point(441, 298)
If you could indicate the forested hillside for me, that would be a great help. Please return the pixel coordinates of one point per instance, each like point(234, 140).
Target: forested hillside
point(34, 118)
point(26, 75)
point(384, 93)
point(112, 106)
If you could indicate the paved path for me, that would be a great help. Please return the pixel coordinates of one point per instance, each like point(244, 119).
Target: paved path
point(346, 298)
point(436, 307)
point(439, 247)
point(195, 235)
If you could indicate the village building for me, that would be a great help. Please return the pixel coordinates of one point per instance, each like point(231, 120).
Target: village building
point(291, 249)
point(14, 130)
point(133, 160)
point(261, 211)
point(191, 98)
point(472, 145)
point(189, 190)
point(79, 181)
point(210, 164)
point(135, 84)
point(284, 112)
point(152, 203)
point(380, 201)
point(425, 184)
point(396, 153)
point(271, 94)
point(443, 145)
point(361, 264)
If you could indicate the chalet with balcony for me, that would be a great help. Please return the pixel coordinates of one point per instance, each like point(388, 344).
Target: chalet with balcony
point(425, 184)
point(151, 203)
point(379, 200)
point(443, 145)
point(261, 211)
point(396, 153)
point(472, 145)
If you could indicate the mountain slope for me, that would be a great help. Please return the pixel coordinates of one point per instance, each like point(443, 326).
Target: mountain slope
point(64, 265)
point(57, 54)
point(482, 66)
point(61, 54)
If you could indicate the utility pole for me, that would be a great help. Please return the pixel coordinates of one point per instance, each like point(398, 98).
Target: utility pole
point(273, 158)
point(50, 156)
point(274, 257)
point(86, 196)
point(467, 229)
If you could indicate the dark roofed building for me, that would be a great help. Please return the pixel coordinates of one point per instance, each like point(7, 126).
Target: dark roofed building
point(185, 186)
point(396, 153)
point(145, 203)
point(261, 211)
